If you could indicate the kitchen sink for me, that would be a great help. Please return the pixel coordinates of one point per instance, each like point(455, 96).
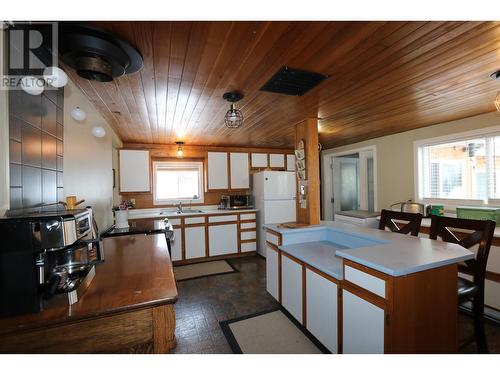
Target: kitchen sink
point(177, 212)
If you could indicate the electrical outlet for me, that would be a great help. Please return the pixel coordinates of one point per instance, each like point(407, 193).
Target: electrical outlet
point(132, 200)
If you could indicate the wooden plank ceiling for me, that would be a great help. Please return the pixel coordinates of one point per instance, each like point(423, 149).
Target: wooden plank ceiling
point(385, 78)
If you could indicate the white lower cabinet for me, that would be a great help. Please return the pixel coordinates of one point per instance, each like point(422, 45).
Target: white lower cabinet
point(321, 307)
point(272, 275)
point(222, 239)
point(195, 242)
point(291, 291)
point(176, 245)
point(363, 325)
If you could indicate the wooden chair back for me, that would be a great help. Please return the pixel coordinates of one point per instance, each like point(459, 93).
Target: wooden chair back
point(400, 222)
point(467, 233)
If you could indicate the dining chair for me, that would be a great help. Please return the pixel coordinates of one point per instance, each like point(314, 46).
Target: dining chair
point(477, 232)
point(400, 222)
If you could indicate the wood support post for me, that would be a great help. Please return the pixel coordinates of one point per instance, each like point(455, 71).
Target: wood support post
point(163, 329)
point(309, 213)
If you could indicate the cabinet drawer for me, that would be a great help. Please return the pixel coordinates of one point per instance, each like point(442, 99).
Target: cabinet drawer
point(248, 246)
point(247, 235)
point(274, 239)
point(247, 216)
point(194, 220)
point(365, 280)
point(176, 221)
point(221, 219)
point(248, 225)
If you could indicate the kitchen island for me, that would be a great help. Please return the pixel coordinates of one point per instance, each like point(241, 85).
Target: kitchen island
point(363, 290)
point(128, 307)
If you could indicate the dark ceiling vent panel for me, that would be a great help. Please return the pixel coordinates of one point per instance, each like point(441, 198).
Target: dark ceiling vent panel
point(293, 81)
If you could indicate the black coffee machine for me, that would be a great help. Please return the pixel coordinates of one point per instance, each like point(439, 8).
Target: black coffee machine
point(45, 254)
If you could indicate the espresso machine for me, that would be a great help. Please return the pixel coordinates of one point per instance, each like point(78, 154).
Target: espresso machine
point(46, 256)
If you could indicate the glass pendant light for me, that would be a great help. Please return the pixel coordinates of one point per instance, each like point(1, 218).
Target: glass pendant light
point(180, 153)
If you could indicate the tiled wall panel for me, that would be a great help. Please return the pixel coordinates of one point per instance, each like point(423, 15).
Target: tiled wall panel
point(36, 148)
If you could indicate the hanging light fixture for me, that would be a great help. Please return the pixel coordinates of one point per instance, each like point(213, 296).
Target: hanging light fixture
point(233, 117)
point(180, 153)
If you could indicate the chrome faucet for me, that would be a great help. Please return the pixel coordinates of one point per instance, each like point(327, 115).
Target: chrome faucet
point(179, 207)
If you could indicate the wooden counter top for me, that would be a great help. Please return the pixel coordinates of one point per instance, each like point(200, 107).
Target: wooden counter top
point(137, 273)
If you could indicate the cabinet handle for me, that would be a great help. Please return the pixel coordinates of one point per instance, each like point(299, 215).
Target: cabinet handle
point(387, 319)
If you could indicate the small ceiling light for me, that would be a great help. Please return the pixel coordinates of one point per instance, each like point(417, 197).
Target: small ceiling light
point(55, 76)
point(180, 153)
point(78, 114)
point(98, 132)
point(233, 117)
point(32, 85)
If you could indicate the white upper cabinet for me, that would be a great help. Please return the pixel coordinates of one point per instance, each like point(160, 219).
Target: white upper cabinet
point(240, 177)
point(134, 170)
point(277, 160)
point(290, 162)
point(217, 171)
point(259, 160)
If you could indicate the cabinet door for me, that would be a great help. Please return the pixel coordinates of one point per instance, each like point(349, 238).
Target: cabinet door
point(134, 170)
point(239, 170)
point(321, 304)
point(277, 160)
point(362, 325)
point(176, 245)
point(195, 242)
point(217, 171)
point(222, 239)
point(259, 160)
point(290, 162)
point(272, 275)
point(291, 287)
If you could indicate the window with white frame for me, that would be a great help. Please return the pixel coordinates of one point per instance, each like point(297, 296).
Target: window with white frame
point(466, 169)
point(177, 181)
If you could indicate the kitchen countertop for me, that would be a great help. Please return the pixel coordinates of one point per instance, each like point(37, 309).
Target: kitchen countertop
point(320, 255)
point(391, 253)
point(137, 226)
point(136, 273)
point(170, 213)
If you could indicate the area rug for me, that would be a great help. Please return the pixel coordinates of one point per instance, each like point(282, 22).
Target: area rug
point(198, 270)
point(271, 332)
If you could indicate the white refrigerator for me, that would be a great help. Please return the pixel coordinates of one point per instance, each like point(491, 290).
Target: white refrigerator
point(274, 197)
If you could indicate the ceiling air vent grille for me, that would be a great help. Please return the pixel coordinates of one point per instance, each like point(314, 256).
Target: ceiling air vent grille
point(293, 81)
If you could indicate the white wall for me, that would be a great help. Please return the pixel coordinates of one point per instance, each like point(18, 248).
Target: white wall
point(4, 131)
point(395, 164)
point(88, 161)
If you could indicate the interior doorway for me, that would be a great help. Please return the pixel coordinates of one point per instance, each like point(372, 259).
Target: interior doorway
point(349, 182)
